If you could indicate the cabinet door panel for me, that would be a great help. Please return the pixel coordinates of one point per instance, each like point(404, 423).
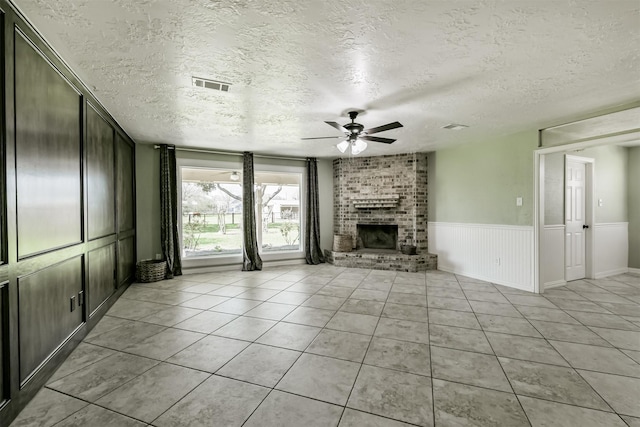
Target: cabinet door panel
point(44, 311)
point(125, 200)
point(101, 279)
point(126, 259)
point(100, 176)
point(48, 154)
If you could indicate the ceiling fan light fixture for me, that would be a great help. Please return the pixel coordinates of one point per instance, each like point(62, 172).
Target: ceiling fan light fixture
point(343, 146)
point(234, 176)
point(353, 131)
point(358, 147)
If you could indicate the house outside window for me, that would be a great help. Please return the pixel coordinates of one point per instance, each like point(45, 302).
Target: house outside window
point(211, 212)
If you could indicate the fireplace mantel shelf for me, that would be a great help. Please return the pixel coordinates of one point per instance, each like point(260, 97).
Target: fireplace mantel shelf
point(370, 202)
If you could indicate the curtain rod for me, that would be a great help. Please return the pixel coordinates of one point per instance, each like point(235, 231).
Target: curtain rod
point(230, 153)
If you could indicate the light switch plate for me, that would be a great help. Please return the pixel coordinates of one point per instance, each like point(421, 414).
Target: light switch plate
point(518, 201)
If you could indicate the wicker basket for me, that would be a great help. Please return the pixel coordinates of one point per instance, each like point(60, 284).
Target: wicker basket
point(342, 243)
point(151, 271)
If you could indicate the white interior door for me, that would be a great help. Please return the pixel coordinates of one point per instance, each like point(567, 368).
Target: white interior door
point(575, 207)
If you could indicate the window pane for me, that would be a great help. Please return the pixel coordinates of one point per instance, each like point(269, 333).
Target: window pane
point(211, 212)
point(278, 212)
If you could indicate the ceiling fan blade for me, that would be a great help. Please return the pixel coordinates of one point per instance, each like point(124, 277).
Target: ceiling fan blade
point(382, 128)
point(336, 125)
point(326, 137)
point(377, 139)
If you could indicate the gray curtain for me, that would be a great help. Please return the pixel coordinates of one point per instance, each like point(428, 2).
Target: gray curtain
point(251, 258)
point(312, 250)
point(169, 212)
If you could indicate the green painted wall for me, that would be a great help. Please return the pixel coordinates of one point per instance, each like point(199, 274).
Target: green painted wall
point(611, 182)
point(633, 191)
point(148, 201)
point(325, 202)
point(611, 166)
point(554, 189)
point(479, 182)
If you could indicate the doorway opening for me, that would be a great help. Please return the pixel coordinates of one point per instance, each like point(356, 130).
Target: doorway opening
point(579, 214)
point(611, 140)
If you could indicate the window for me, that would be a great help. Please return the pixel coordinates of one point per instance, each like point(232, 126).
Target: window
point(277, 197)
point(211, 212)
point(211, 220)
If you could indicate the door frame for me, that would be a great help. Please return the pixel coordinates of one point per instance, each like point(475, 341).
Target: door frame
point(589, 211)
point(538, 206)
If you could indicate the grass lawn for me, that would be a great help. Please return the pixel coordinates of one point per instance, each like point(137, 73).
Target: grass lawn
point(206, 239)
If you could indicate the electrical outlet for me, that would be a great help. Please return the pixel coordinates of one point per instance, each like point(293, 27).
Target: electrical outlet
point(158, 256)
point(518, 201)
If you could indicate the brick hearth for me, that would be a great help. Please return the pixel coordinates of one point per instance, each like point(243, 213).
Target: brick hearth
point(383, 261)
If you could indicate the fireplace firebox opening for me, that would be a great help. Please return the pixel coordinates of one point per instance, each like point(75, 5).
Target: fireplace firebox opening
point(377, 236)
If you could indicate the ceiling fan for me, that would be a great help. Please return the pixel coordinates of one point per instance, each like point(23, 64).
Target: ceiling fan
point(355, 133)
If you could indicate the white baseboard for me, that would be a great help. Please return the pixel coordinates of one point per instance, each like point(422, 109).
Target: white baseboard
point(554, 284)
point(484, 278)
point(603, 274)
point(634, 270)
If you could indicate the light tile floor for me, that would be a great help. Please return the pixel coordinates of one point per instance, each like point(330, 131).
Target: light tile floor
point(325, 346)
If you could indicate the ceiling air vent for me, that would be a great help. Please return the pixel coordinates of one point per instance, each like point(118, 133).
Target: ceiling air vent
point(454, 126)
point(210, 84)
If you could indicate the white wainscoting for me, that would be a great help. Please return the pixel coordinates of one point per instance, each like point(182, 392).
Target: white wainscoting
point(501, 254)
point(611, 254)
point(552, 262)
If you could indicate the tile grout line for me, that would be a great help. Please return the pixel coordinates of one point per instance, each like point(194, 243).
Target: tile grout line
point(183, 397)
point(361, 281)
point(365, 352)
point(344, 408)
point(89, 403)
point(433, 394)
point(290, 367)
point(212, 374)
point(572, 342)
point(112, 390)
point(510, 303)
point(501, 367)
point(49, 381)
point(565, 359)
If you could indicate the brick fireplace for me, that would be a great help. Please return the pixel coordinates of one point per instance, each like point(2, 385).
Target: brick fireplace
point(383, 194)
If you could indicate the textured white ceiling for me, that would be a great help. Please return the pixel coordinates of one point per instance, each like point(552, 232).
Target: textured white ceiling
point(497, 66)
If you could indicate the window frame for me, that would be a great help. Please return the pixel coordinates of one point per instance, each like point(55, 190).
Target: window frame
point(260, 165)
point(234, 162)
